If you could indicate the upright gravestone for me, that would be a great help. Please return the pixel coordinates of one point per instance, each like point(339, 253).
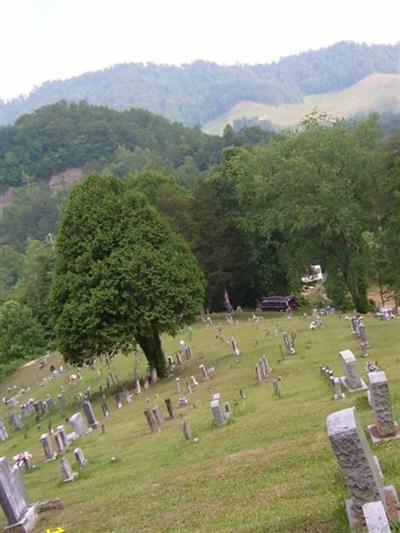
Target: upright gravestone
point(288, 345)
point(3, 432)
point(25, 410)
point(364, 344)
point(66, 470)
point(339, 395)
point(170, 409)
point(265, 366)
point(138, 388)
point(188, 352)
point(16, 421)
point(91, 417)
point(104, 408)
point(127, 394)
point(59, 442)
point(146, 383)
point(78, 424)
point(193, 383)
point(187, 432)
point(385, 427)
point(20, 514)
point(355, 325)
point(258, 373)
point(178, 359)
point(118, 403)
point(63, 435)
point(159, 417)
point(49, 454)
point(235, 347)
point(182, 401)
point(151, 420)
point(80, 458)
point(351, 379)
point(50, 404)
point(358, 466)
point(217, 412)
point(61, 401)
point(203, 373)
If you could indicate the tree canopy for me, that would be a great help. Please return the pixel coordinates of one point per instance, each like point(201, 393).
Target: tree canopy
point(121, 276)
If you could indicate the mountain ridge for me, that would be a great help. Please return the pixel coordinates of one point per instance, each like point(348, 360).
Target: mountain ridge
point(201, 91)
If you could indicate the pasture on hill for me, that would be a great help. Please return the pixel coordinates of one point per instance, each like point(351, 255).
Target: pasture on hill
point(376, 92)
point(271, 468)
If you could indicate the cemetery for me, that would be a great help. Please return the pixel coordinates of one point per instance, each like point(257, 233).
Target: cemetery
point(266, 426)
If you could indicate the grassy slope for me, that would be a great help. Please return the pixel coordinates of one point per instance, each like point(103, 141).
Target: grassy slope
point(374, 93)
point(270, 469)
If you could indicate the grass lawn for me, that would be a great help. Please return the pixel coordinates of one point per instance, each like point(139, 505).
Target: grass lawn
point(270, 469)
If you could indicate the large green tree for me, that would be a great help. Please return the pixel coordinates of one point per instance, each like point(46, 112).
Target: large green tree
point(121, 277)
point(21, 334)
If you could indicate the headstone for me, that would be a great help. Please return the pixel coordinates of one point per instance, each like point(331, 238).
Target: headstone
point(25, 410)
point(66, 470)
point(182, 401)
point(235, 347)
point(258, 373)
point(188, 352)
point(265, 366)
point(80, 458)
point(203, 373)
point(118, 403)
point(242, 394)
point(187, 432)
point(357, 464)
point(16, 421)
point(104, 408)
point(288, 345)
point(375, 517)
point(192, 382)
point(47, 448)
point(153, 375)
point(127, 395)
point(78, 424)
point(159, 417)
point(59, 442)
point(218, 412)
point(170, 361)
point(50, 404)
point(61, 401)
point(20, 514)
point(3, 432)
point(170, 409)
point(146, 383)
point(351, 379)
point(178, 359)
point(151, 420)
point(63, 435)
point(91, 417)
point(227, 411)
point(276, 387)
point(138, 388)
point(364, 344)
point(385, 427)
point(339, 395)
point(355, 325)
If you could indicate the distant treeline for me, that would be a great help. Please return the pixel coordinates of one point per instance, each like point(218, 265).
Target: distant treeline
point(199, 92)
point(64, 135)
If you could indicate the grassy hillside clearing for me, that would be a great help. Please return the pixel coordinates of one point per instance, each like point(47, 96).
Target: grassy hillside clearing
point(271, 469)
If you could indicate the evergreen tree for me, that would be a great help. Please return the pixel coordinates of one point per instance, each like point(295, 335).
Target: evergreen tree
point(121, 277)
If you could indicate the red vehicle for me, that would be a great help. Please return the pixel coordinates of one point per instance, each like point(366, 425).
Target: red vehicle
point(278, 303)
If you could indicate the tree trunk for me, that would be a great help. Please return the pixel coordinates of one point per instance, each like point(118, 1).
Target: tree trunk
point(358, 290)
point(151, 346)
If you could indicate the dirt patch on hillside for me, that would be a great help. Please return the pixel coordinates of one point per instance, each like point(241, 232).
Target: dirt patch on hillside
point(65, 179)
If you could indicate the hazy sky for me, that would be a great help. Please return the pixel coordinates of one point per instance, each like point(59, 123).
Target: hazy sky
point(52, 39)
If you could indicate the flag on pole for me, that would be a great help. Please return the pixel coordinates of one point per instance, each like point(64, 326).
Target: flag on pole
point(227, 302)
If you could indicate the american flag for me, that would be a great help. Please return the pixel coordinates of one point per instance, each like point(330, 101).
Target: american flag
point(227, 302)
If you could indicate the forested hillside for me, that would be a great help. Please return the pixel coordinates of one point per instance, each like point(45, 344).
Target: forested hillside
point(199, 92)
point(66, 135)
